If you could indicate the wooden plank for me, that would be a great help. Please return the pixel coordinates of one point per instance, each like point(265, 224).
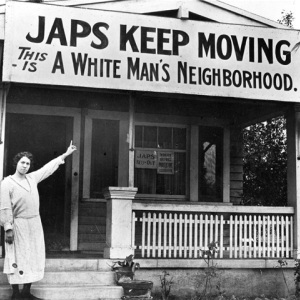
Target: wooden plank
point(170, 235)
point(196, 248)
point(273, 236)
point(148, 234)
point(255, 236)
point(175, 235)
point(185, 236)
point(277, 237)
point(91, 229)
point(240, 236)
point(231, 237)
point(143, 234)
point(226, 165)
point(235, 236)
point(221, 236)
point(194, 157)
point(154, 236)
point(180, 234)
point(159, 234)
point(195, 207)
point(287, 236)
point(165, 236)
point(259, 236)
point(236, 185)
point(201, 233)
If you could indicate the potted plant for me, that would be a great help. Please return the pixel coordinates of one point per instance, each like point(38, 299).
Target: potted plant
point(133, 289)
point(125, 269)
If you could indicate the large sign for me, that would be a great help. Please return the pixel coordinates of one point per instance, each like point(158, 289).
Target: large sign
point(47, 44)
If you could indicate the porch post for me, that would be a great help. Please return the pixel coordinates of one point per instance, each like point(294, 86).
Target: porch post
point(118, 221)
point(293, 171)
point(3, 95)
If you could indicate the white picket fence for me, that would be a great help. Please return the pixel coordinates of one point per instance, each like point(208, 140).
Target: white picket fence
point(267, 233)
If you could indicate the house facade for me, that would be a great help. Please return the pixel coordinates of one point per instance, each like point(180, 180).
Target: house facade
point(155, 95)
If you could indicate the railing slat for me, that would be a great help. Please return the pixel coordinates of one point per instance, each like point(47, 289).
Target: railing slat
point(165, 235)
point(287, 232)
point(250, 237)
point(180, 235)
point(154, 236)
point(245, 237)
point(190, 236)
point(185, 237)
point(273, 236)
point(143, 234)
point(282, 235)
point(170, 235)
point(268, 236)
point(149, 234)
point(277, 237)
point(231, 237)
point(240, 236)
point(216, 239)
point(292, 235)
point(264, 235)
point(211, 229)
point(196, 237)
point(159, 234)
point(206, 232)
point(259, 236)
point(221, 235)
point(254, 236)
point(235, 236)
point(201, 233)
point(175, 235)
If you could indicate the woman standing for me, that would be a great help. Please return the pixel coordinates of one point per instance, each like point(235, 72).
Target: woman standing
point(19, 215)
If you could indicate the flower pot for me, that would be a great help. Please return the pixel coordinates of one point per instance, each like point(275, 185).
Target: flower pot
point(124, 275)
point(137, 289)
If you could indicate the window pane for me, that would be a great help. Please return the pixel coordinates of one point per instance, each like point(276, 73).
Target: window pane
point(145, 180)
point(165, 137)
point(150, 137)
point(210, 163)
point(170, 177)
point(139, 136)
point(179, 138)
point(105, 145)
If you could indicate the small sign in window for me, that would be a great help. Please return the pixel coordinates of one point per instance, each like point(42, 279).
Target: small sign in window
point(146, 159)
point(165, 163)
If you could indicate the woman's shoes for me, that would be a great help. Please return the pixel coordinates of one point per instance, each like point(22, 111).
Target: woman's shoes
point(16, 297)
point(29, 297)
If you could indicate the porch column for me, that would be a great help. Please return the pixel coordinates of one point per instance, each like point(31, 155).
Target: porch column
point(293, 171)
point(118, 221)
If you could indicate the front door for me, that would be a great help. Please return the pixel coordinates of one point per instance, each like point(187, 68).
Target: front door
point(46, 137)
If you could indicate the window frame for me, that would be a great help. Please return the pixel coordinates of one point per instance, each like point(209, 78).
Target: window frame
point(187, 161)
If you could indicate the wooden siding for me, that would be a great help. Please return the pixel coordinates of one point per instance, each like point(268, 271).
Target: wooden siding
point(92, 226)
point(236, 166)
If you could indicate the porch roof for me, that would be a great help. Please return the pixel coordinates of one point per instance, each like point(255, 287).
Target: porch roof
point(209, 10)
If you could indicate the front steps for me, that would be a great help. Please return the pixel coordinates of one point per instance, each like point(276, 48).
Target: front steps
point(72, 279)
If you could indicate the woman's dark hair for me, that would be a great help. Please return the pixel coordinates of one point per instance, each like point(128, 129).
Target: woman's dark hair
point(20, 155)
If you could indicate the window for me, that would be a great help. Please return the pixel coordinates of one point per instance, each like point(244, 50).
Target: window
point(210, 163)
point(160, 160)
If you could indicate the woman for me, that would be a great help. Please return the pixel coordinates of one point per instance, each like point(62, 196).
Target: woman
point(19, 215)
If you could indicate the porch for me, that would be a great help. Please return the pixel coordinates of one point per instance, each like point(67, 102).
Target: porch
point(184, 230)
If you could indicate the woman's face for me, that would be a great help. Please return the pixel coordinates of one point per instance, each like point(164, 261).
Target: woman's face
point(23, 165)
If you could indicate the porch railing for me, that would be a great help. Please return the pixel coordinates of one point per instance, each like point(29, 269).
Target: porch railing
point(184, 231)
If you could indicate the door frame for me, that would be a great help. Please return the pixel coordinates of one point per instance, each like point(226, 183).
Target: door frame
point(75, 113)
